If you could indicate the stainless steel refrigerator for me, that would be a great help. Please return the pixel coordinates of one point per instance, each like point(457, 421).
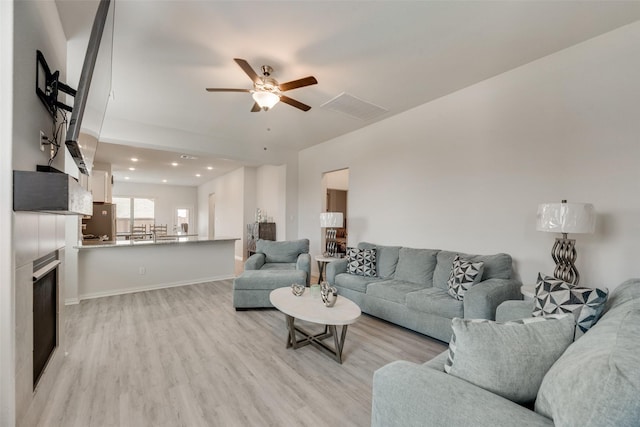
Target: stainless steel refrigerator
point(102, 223)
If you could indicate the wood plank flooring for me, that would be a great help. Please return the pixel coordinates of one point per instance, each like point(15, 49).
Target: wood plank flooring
point(184, 357)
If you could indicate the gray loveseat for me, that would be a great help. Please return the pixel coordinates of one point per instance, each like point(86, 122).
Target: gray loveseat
point(410, 288)
point(274, 265)
point(594, 383)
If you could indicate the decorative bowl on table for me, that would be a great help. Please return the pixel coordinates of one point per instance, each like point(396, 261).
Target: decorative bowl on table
point(297, 289)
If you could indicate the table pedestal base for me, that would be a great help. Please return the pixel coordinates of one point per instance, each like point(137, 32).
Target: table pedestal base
point(317, 339)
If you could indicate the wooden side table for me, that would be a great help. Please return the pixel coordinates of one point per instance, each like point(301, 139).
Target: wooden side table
point(322, 262)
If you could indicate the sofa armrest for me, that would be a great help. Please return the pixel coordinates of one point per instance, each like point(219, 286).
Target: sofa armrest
point(304, 263)
point(255, 261)
point(406, 394)
point(334, 268)
point(514, 310)
point(481, 300)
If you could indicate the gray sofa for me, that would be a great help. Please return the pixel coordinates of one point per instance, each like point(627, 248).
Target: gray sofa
point(274, 265)
point(410, 288)
point(594, 383)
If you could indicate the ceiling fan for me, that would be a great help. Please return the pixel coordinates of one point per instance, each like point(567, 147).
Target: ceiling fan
point(266, 90)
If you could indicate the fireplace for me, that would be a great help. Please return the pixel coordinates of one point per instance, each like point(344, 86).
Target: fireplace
point(45, 312)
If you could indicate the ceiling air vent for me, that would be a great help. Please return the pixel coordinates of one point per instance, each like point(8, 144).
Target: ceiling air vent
point(355, 107)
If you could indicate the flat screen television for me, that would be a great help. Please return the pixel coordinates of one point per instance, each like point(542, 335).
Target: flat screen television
point(94, 87)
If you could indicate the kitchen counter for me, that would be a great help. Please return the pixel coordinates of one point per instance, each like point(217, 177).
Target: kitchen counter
point(164, 240)
point(139, 265)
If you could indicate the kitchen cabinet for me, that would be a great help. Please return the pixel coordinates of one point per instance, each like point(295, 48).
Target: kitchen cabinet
point(100, 186)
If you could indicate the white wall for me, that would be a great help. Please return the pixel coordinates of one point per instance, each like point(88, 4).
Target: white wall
point(7, 304)
point(167, 199)
point(36, 25)
point(229, 221)
point(467, 171)
point(271, 195)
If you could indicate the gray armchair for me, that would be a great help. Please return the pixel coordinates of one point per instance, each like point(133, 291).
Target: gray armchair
point(274, 265)
point(286, 255)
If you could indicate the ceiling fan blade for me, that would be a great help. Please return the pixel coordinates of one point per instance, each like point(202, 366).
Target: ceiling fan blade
point(247, 69)
point(294, 84)
point(294, 103)
point(218, 89)
point(255, 108)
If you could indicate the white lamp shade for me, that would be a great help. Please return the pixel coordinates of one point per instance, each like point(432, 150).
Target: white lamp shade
point(265, 99)
point(331, 220)
point(566, 218)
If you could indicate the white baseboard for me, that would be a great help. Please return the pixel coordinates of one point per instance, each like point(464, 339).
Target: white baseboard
point(71, 301)
point(152, 287)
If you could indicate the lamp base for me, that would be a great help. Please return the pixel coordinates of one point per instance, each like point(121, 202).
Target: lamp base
point(564, 254)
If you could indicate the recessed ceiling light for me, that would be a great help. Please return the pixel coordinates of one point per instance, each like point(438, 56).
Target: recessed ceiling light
point(126, 177)
point(198, 175)
point(132, 169)
point(210, 168)
point(134, 159)
point(174, 164)
point(164, 180)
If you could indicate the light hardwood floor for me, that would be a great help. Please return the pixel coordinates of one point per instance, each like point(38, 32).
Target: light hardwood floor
point(184, 357)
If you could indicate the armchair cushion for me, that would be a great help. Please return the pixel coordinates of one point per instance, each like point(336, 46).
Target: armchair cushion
point(283, 251)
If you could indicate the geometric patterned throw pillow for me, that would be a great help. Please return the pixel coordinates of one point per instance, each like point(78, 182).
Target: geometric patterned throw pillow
point(464, 274)
point(554, 296)
point(361, 262)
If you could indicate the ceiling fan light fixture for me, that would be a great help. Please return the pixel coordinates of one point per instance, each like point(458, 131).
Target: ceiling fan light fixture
point(266, 100)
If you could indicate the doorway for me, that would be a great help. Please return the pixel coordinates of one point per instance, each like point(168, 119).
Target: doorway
point(183, 220)
point(335, 192)
point(212, 216)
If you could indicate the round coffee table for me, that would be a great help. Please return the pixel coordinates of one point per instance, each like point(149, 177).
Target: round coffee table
point(311, 309)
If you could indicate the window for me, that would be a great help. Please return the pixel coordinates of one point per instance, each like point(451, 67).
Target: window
point(132, 211)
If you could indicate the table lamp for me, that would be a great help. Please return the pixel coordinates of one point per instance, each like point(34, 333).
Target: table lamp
point(565, 218)
point(331, 221)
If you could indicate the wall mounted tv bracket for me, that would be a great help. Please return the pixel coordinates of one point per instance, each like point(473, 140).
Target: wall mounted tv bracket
point(48, 86)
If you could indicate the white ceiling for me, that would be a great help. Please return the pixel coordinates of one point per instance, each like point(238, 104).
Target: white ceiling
point(394, 54)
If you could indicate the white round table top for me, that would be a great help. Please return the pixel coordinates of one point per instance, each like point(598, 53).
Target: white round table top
point(311, 309)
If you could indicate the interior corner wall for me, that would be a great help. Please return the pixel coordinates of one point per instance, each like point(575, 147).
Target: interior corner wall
point(229, 220)
point(466, 172)
point(271, 195)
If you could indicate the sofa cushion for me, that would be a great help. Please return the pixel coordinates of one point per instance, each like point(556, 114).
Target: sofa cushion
point(509, 359)
point(386, 258)
point(392, 290)
point(416, 266)
point(361, 262)
point(464, 274)
point(435, 301)
point(596, 382)
point(278, 266)
point(284, 251)
point(626, 293)
point(556, 296)
point(353, 282)
point(498, 266)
